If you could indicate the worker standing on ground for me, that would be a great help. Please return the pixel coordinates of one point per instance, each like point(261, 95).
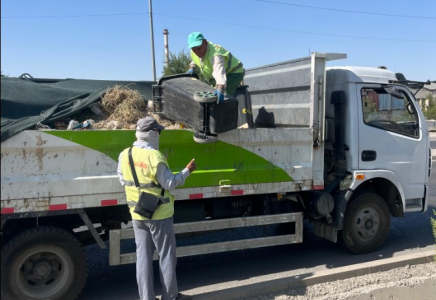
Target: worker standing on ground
point(215, 62)
point(153, 177)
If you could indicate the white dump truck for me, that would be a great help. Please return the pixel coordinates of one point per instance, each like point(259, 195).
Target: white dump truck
point(344, 147)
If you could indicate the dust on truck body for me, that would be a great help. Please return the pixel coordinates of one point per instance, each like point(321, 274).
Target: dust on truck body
point(346, 148)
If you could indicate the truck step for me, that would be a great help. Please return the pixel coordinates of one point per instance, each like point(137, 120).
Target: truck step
point(115, 236)
point(414, 205)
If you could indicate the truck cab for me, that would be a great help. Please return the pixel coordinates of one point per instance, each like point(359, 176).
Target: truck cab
point(385, 141)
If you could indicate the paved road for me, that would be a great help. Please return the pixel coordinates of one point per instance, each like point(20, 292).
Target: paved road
point(205, 273)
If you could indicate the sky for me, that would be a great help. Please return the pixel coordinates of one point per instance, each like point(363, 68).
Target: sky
point(111, 39)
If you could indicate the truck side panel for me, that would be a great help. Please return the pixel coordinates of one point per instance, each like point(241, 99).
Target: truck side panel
point(74, 169)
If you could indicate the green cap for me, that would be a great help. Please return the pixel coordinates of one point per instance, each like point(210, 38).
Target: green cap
point(195, 39)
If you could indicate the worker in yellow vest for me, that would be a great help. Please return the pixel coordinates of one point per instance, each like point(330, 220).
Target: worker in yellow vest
point(215, 62)
point(154, 177)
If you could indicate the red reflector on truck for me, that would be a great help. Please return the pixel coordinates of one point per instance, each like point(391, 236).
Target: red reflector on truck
point(58, 207)
point(196, 196)
point(318, 187)
point(7, 210)
point(109, 202)
point(237, 192)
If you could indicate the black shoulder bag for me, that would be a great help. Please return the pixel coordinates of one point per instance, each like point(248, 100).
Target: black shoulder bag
point(147, 203)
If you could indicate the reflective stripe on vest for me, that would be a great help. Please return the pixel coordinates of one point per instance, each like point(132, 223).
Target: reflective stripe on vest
point(229, 68)
point(161, 201)
point(141, 185)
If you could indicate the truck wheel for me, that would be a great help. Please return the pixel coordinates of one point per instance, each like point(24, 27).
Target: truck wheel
point(366, 223)
point(43, 263)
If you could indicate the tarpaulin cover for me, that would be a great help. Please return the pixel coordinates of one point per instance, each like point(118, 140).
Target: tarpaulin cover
point(25, 102)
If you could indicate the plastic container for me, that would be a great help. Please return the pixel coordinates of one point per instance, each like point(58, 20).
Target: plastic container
point(176, 94)
point(245, 112)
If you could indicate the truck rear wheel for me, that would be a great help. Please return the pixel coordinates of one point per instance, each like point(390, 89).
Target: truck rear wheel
point(43, 263)
point(366, 223)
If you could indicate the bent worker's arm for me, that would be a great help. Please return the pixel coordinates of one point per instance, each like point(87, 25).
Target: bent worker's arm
point(219, 71)
point(168, 180)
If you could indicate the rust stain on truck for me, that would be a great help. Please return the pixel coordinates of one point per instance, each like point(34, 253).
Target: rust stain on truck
point(39, 153)
point(40, 141)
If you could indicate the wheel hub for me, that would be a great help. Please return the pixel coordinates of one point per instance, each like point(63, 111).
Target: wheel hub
point(367, 223)
point(42, 269)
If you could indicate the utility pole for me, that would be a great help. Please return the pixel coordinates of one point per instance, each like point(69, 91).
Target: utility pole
point(165, 32)
point(152, 41)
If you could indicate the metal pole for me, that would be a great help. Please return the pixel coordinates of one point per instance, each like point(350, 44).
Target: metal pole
point(152, 41)
point(165, 32)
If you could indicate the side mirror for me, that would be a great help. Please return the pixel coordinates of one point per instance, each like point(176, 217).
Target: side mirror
point(394, 92)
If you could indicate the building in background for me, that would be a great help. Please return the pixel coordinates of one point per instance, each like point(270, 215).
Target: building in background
point(423, 96)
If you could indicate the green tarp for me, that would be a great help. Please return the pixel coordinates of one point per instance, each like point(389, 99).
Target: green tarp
point(25, 102)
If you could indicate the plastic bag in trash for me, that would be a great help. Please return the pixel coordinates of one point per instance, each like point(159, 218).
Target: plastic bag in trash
point(39, 125)
point(72, 125)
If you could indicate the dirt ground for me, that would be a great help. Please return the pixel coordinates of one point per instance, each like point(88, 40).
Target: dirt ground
point(415, 282)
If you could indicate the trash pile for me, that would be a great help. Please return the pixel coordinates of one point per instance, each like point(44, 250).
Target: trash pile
point(120, 108)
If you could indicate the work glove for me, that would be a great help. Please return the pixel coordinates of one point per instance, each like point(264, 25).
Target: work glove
point(220, 94)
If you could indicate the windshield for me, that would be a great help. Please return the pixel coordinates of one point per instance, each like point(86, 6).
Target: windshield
point(389, 109)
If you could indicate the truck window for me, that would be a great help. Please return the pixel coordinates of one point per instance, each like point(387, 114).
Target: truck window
point(389, 111)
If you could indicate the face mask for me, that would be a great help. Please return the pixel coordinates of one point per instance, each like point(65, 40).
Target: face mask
point(151, 137)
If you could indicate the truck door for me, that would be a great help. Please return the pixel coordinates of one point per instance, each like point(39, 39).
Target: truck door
point(392, 135)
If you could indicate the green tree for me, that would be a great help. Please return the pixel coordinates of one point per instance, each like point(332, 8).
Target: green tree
point(433, 224)
point(178, 63)
point(430, 112)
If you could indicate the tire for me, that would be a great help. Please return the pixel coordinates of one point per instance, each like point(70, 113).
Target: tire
point(203, 138)
point(43, 263)
point(366, 223)
point(205, 97)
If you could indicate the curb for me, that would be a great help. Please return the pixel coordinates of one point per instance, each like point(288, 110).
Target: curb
point(302, 280)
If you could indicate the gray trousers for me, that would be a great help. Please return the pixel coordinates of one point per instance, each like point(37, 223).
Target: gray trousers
point(156, 235)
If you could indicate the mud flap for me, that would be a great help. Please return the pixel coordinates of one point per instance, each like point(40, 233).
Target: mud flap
point(326, 231)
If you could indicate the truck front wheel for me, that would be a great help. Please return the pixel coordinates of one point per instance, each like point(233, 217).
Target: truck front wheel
point(43, 263)
point(366, 223)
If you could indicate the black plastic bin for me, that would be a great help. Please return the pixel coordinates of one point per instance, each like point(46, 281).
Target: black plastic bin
point(245, 113)
point(177, 95)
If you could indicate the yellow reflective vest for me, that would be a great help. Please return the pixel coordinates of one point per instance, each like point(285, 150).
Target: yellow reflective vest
point(145, 162)
point(232, 64)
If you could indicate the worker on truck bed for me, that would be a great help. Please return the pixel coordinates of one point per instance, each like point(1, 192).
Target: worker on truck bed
point(215, 62)
point(154, 177)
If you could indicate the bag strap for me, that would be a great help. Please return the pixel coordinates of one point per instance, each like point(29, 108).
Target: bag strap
point(132, 168)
